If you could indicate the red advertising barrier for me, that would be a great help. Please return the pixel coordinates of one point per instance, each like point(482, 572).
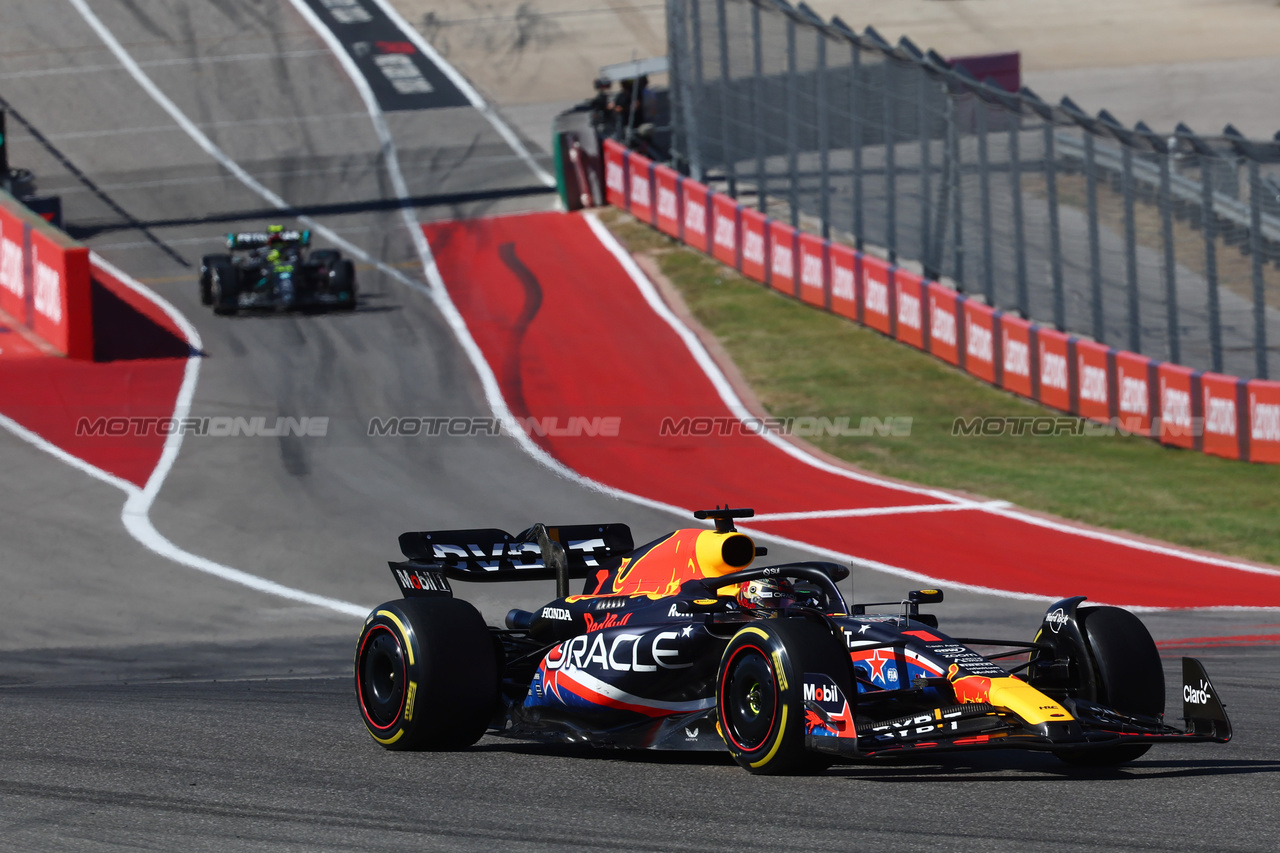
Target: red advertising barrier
point(1015, 355)
point(1264, 420)
point(696, 218)
point(877, 294)
point(944, 323)
point(640, 183)
point(754, 258)
point(980, 340)
point(1093, 381)
point(1221, 396)
point(782, 258)
point(1179, 418)
point(1054, 379)
point(813, 270)
point(1135, 392)
point(724, 229)
point(843, 272)
point(908, 290)
point(44, 280)
point(667, 184)
point(615, 174)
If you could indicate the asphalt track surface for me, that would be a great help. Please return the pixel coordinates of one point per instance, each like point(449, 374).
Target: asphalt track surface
point(147, 705)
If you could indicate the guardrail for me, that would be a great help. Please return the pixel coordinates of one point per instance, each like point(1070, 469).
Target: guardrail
point(45, 280)
point(1210, 412)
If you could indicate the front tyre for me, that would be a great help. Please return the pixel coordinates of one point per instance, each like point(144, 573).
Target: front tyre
point(426, 674)
point(1128, 674)
point(760, 692)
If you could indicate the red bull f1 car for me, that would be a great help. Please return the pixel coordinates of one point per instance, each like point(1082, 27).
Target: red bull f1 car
point(683, 643)
point(275, 270)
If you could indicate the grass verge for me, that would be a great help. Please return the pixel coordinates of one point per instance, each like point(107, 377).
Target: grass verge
point(803, 362)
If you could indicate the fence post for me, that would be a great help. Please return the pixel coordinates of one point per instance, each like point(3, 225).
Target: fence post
point(855, 139)
point(757, 108)
point(1131, 251)
point(944, 189)
point(890, 161)
point(1019, 235)
point(984, 176)
point(1255, 256)
point(1209, 227)
point(957, 175)
point(1170, 263)
point(1055, 236)
point(926, 189)
point(697, 167)
point(726, 132)
point(793, 143)
point(1095, 243)
point(824, 145)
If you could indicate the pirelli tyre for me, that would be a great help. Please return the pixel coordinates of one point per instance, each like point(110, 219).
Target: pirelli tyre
point(225, 288)
point(760, 692)
point(1128, 674)
point(207, 263)
point(426, 674)
point(342, 281)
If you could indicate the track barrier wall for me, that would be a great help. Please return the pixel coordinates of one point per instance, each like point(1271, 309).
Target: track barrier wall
point(1178, 406)
point(44, 280)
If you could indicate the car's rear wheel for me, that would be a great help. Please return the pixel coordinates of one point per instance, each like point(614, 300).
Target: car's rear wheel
point(342, 281)
point(760, 698)
point(207, 263)
point(225, 288)
point(426, 674)
point(1128, 675)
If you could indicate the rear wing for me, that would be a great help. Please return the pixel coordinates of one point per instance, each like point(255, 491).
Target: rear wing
point(487, 554)
point(258, 239)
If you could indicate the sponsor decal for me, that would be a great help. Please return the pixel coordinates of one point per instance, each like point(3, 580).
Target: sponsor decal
point(676, 613)
point(613, 176)
point(1133, 395)
point(1056, 620)
point(723, 231)
point(1053, 369)
point(691, 733)
point(942, 326)
point(1093, 382)
point(877, 296)
point(11, 267)
point(403, 74)
point(611, 620)
point(640, 190)
point(820, 692)
point(1264, 420)
point(695, 216)
point(48, 290)
point(810, 270)
point(1196, 695)
point(979, 342)
point(909, 310)
point(783, 258)
point(620, 653)
point(666, 199)
point(418, 579)
point(753, 247)
point(967, 659)
point(842, 283)
point(1017, 356)
point(1175, 407)
point(347, 11)
point(561, 614)
point(1220, 415)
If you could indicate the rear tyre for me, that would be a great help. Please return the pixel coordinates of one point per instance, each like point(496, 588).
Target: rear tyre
point(426, 674)
point(207, 263)
point(1127, 670)
point(225, 288)
point(760, 693)
point(342, 281)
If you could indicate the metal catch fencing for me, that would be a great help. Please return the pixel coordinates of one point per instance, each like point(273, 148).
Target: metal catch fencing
point(1165, 244)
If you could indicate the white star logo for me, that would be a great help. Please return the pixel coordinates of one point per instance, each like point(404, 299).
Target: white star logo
point(688, 631)
point(863, 629)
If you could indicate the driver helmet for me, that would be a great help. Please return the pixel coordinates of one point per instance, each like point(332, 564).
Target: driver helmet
point(766, 594)
point(273, 256)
